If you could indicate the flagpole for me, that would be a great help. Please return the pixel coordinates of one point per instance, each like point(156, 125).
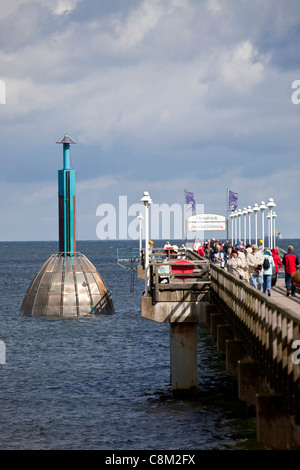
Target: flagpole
point(184, 208)
point(190, 201)
point(227, 214)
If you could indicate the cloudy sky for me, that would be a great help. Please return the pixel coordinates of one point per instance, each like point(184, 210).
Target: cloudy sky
point(160, 95)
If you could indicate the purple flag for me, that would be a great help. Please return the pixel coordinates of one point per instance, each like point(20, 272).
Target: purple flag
point(232, 201)
point(190, 200)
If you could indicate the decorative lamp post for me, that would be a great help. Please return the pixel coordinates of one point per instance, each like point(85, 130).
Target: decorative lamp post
point(271, 204)
point(146, 200)
point(140, 217)
point(255, 210)
point(235, 230)
point(263, 207)
point(269, 229)
point(232, 217)
point(249, 211)
point(245, 223)
point(239, 213)
point(274, 215)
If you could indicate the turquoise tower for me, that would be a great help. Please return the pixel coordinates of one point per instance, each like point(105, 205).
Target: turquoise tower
point(67, 284)
point(66, 200)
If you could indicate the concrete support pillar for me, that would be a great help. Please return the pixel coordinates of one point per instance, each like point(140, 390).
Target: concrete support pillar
point(272, 425)
point(183, 358)
point(215, 320)
point(224, 333)
point(234, 353)
point(250, 382)
point(210, 308)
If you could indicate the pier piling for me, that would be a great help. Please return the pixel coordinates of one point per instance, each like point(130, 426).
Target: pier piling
point(183, 355)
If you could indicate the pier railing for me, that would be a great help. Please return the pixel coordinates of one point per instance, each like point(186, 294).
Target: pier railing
point(178, 274)
point(269, 334)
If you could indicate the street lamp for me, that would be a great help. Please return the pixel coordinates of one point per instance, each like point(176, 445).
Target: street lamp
point(235, 231)
point(269, 229)
point(271, 204)
point(255, 210)
point(274, 233)
point(245, 223)
point(249, 211)
point(140, 217)
point(146, 200)
point(239, 213)
point(263, 207)
point(232, 217)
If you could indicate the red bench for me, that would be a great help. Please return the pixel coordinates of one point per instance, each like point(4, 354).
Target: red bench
point(182, 266)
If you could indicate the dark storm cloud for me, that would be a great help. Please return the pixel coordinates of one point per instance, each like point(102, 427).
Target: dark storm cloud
point(154, 92)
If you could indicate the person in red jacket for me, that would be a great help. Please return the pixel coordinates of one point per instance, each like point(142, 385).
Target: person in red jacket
point(290, 261)
point(278, 264)
point(201, 250)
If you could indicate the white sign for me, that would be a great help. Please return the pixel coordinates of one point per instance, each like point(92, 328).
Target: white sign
point(207, 222)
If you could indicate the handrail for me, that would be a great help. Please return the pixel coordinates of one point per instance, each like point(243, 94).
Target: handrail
point(281, 250)
point(267, 331)
point(254, 292)
point(128, 254)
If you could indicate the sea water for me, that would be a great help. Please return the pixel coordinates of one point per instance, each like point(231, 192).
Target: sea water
point(103, 382)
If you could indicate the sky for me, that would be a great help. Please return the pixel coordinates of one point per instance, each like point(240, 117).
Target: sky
point(160, 96)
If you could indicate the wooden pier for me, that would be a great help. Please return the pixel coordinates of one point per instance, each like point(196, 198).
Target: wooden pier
point(257, 335)
point(260, 344)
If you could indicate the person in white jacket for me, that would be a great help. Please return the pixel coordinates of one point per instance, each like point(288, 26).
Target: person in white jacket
point(242, 256)
point(235, 265)
point(255, 261)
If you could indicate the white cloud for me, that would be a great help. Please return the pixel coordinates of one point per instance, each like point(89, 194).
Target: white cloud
point(242, 68)
point(139, 23)
point(100, 183)
point(215, 6)
point(57, 7)
point(159, 88)
point(39, 192)
point(10, 6)
point(60, 7)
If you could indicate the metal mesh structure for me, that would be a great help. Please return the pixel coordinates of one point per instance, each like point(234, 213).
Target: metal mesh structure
point(67, 285)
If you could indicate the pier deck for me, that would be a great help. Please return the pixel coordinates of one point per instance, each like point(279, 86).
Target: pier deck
point(278, 295)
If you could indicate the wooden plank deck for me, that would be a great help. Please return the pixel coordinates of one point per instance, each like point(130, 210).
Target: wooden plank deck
point(278, 295)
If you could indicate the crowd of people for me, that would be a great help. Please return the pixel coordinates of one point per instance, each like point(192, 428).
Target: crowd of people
point(251, 263)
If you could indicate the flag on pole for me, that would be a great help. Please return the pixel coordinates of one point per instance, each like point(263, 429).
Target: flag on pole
point(190, 201)
point(232, 201)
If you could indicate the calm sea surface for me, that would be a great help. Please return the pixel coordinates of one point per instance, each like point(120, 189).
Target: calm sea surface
point(103, 382)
